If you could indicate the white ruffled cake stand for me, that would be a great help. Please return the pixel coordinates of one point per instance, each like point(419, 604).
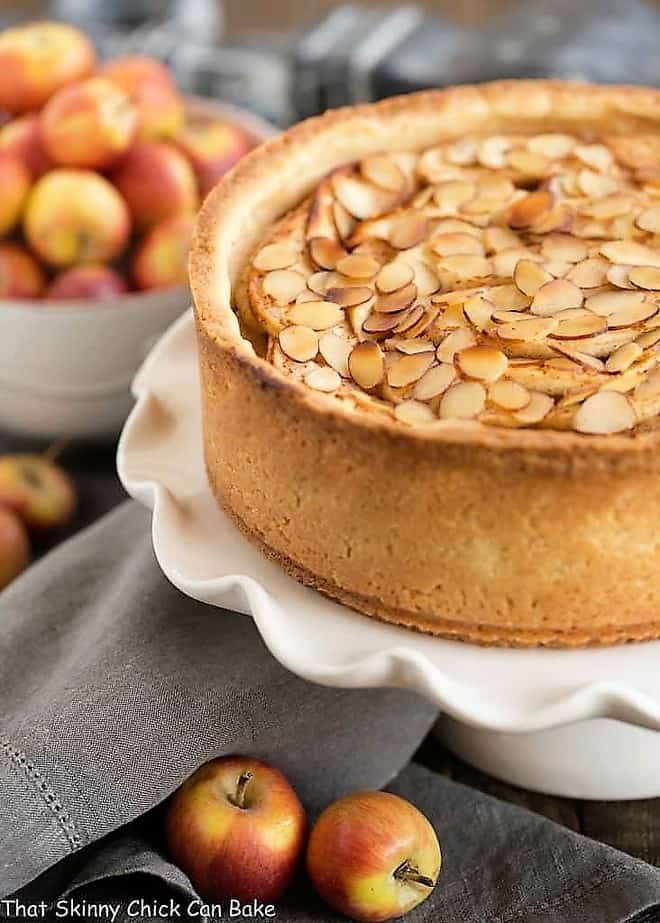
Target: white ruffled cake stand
point(581, 723)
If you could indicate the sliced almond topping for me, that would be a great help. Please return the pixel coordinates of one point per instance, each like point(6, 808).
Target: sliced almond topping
point(434, 382)
point(335, 350)
point(619, 276)
point(319, 315)
point(623, 357)
point(463, 401)
point(649, 338)
point(509, 395)
point(496, 239)
point(555, 296)
point(383, 171)
point(492, 151)
point(357, 315)
point(425, 278)
point(319, 282)
point(394, 276)
point(537, 408)
point(554, 146)
point(397, 300)
point(582, 358)
point(606, 303)
point(365, 364)
point(275, 256)
point(530, 276)
point(410, 321)
point(358, 266)
point(649, 220)
point(596, 185)
point(361, 199)
point(508, 296)
point(413, 413)
point(631, 253)
point(457, 340)
point(590, 273)
point(464, 266)
point(323, 379)
point(408, 232)
point(529, 163)
point(647, 277)
point(604, 413)
point(564, 247)
point(632, 315)
point(282, 285)
point(530, 208)
point(326, 252)
point(485, 363)
point(505, 262)
point(449, 195)
point(462, 152)
point(649, 388)
point(450, 244)
point(579, 327)
point(347, 296)
point(531, 329)
point(559, 218)
point(344, 221)
point(478, 310)
point(410, 347)
point(299, 343)
point(384, 323)
point(408, 369)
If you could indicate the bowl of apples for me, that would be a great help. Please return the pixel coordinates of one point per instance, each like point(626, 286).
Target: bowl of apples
point(102, 168)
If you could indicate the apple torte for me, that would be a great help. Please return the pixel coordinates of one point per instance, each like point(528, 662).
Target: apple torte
point(429, 337)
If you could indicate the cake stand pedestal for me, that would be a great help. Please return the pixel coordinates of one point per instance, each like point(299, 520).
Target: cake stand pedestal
point(580, 723)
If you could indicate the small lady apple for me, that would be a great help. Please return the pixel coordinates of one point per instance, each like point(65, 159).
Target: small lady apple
point(14, 547)
point(373, 856)
point(37, 490)
point(237, 829)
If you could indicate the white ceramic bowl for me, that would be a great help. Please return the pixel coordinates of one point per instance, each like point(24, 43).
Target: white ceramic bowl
point(66, 367)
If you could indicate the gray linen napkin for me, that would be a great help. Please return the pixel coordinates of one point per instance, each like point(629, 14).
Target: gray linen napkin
point(114, 687)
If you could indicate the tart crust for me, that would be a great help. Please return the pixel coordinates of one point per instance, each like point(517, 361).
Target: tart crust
point(499, 536)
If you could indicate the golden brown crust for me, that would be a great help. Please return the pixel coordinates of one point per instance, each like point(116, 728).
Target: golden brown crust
point(516, 534)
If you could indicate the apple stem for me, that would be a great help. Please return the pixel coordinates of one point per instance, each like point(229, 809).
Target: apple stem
point(241, 787)
point(408, 872)
point(54, 451)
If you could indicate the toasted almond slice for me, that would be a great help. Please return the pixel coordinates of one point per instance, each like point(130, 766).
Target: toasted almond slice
point(394, 276)
point(414, 413)
point(462, 401)
point(361, 199)
point(397, 300)
point(319, 282)
point(508, 297)
point(425, 278)
point(299, 343)
point(529, 163)
point(582, 358)
point(578, 328)
point(603, 209)
point(434, 382)
point(505, 262)
point(649, 338)
point(631, 253)
point(649, 388)
point(564, 247)
point(500, 316)
point(449, 195)
point(450, 244)
point(478, 310)
point(649, 220)
point(384, 323)
point(496, 238)
point(554, 146)
point(605, 413)
point(365, 364)
point(596, 185)
point(358, 266)
point(319, 315)
point(531, 329)
point(646, 277)
point(323, 379)
point(349, 295)
point(410, 320)
point(411, 346)
point(463, 266)
point(481, 207)
point(457, 340)
point(594, 155)
point(619, 276)
point(326, 252)
point(590, 273)
point(632, 315)
point(484, 363)
point(462, 152)
point(282, 285)
point(492, 151)
point(606, 303)
point(335, 350)
point(408, 231)
point(559, 218)
point(432, 165)
point(509, 395)
point(536, 409)
point(357, 315)
point(408, 369)
point(275, 256)
point(554, 296)
point(344, 221)
point(623, 357)
point(530, 208)
point(383, 171)
point(530, 276)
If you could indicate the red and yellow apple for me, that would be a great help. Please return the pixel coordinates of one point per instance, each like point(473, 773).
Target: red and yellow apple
point(76, 216)
point(15, 182)
point(20, 274)
point(161, 259)
point(22, 138)
point(37, 490)
point(14, 547)
point(88, 124)
point(157, 182)
point(237, 829)
point(39, 58)
point(213, 147)
point(92, 282)
point(373, 856)
point(151, 89)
